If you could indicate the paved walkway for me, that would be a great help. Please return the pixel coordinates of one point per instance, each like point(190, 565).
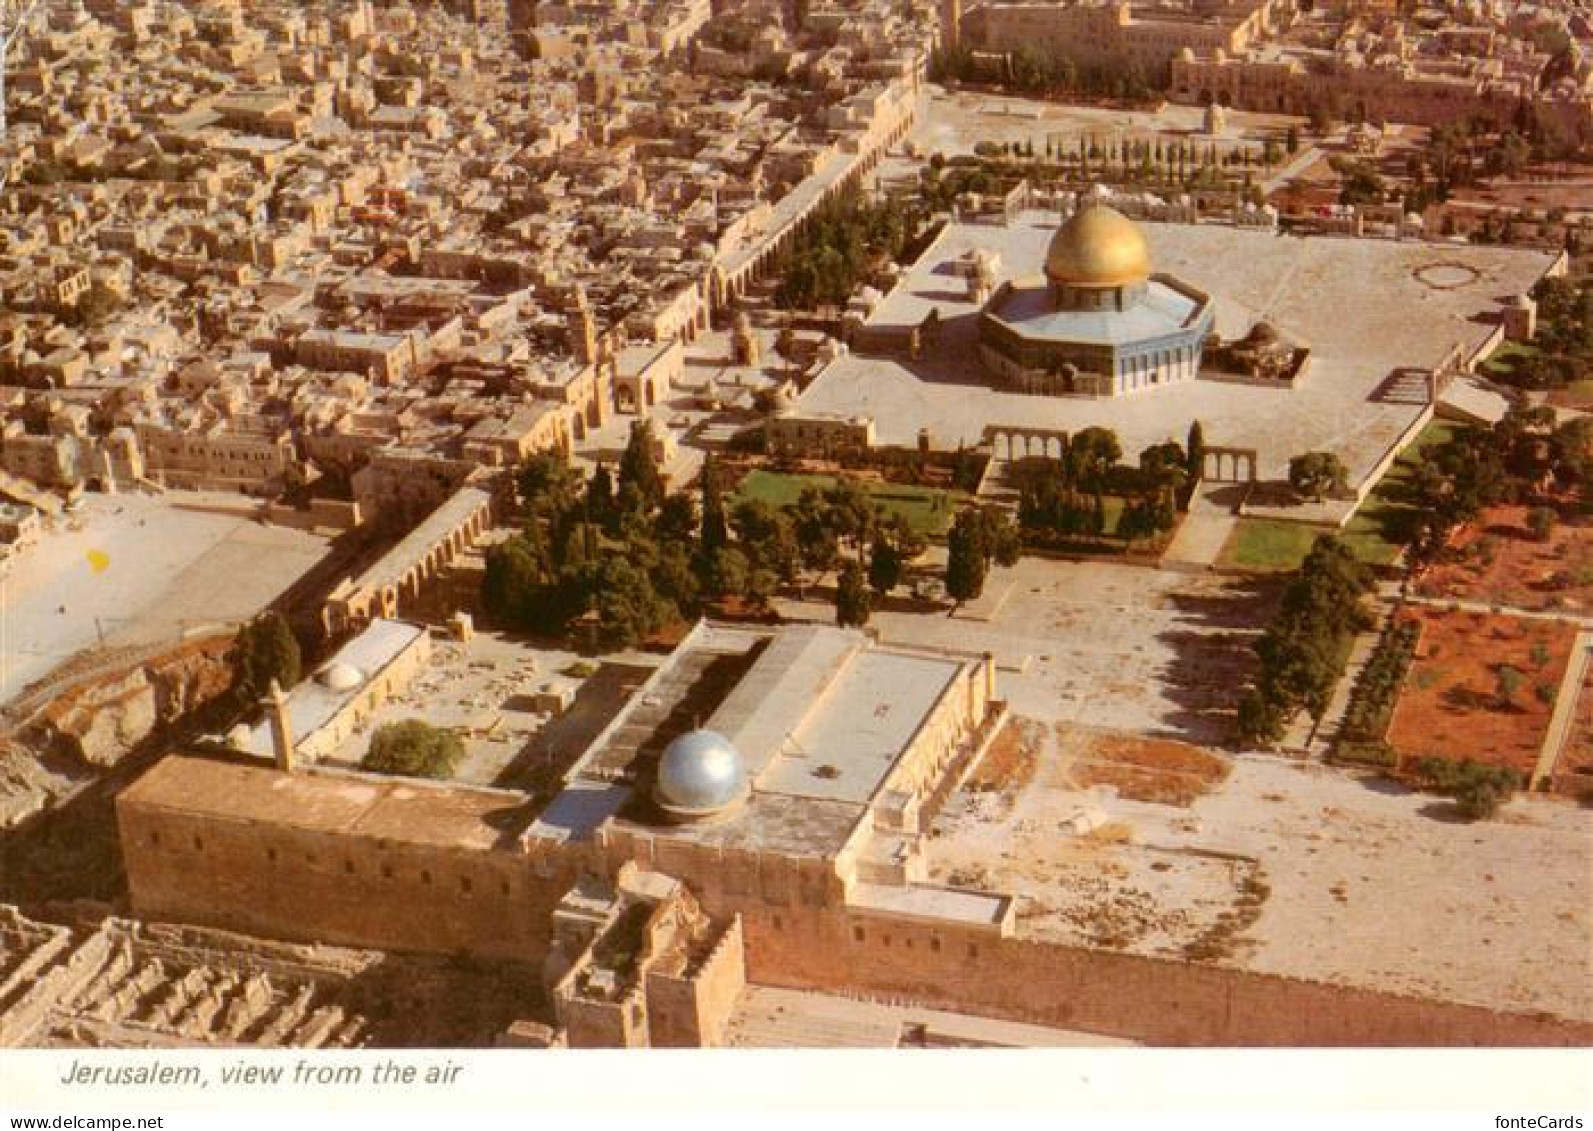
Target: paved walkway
point(1564, 715)
point(769, 1017)
point(1502, 610)
point(1203, 533)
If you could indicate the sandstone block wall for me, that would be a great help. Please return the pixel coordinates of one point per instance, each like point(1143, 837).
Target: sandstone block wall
point(338, 888)
point(1157, 1001)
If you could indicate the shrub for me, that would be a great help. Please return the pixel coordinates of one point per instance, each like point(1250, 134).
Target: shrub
point(1479, 790)
point(1372, 702)
point(416, 749)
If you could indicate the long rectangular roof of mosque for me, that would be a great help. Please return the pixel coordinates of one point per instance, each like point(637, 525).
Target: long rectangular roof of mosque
point(399, 810)
point(783, 686)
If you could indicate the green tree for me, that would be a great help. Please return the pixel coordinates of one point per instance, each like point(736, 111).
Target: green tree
point(515, 571)
point(414, 748)
point(853, 601)
point(1315, 474)
point(884, 566)
point(549, 486)
point(264, 651)
point(766, 536)
point(978, 537)
point(729, 572)
point(628, 608)
point(1092, 453)
point(1195, 451)
point(600, 496)
point(966, 563)
point(677, 521)
point(715, 525)
point(1507, 684)
point(638, 469)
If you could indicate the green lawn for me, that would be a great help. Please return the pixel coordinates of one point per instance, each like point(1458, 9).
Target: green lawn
point(1269, 544)
point(928, 510)
point(1504, 359)
point(1273, 544)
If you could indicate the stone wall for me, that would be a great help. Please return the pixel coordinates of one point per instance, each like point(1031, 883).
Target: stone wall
point(1153, 1000)
point(691, 1010)
point(337, 888)
point(100, 721)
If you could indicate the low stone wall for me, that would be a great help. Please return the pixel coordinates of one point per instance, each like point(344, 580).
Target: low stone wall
point(1157, 1001)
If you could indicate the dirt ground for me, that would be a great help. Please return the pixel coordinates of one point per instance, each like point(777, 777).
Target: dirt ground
point(1142, 769)
point(1009, 763)
point(1081, 878)
point(1451, 703)
point(1501, 563)
point(1300, 870)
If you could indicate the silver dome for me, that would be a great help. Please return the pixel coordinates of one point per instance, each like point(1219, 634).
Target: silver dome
point(699, 775)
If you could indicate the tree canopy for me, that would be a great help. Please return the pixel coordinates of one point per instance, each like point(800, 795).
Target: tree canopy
point(414, 748)
point(264, 650)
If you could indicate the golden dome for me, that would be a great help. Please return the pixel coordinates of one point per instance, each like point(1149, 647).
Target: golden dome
point(1098, 247)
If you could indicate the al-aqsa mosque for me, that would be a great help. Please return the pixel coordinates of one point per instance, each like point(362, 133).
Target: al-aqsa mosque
point(1099, 321)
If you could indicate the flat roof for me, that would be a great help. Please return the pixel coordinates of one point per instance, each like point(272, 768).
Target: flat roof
point(445, 815)
point(772, 699)
point(849, 740)
point(312, 704)
point(578, 810)
point(770, 822)
point(920, 901)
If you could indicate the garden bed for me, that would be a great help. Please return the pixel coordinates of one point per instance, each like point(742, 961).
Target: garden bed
point(1498, 561)
point(1454, 704)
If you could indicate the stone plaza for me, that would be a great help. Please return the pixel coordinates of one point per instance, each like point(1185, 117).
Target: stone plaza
point(1373, 312)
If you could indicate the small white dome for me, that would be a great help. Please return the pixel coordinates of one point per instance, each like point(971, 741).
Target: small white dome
point(341, 677)
point(238, 737)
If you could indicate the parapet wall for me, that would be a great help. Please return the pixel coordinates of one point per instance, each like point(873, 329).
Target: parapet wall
point(1157, 1001)
point(333, 887)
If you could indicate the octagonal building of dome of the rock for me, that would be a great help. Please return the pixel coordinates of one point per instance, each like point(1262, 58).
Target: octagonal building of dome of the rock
point(1099, 321)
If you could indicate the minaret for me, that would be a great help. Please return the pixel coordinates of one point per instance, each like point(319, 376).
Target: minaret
point(581, 327)
point(276, 705)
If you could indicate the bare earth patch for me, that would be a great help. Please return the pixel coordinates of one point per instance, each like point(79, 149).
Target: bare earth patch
point(1156, 770)
point(1452, 705)
point(1009, 763)
point(1502, 563)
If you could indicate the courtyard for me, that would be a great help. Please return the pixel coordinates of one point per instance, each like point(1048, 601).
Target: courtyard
point(1295, 869)
point(1102, 644)
point(139, 570)
point(1368, 309)
point(524, 711)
